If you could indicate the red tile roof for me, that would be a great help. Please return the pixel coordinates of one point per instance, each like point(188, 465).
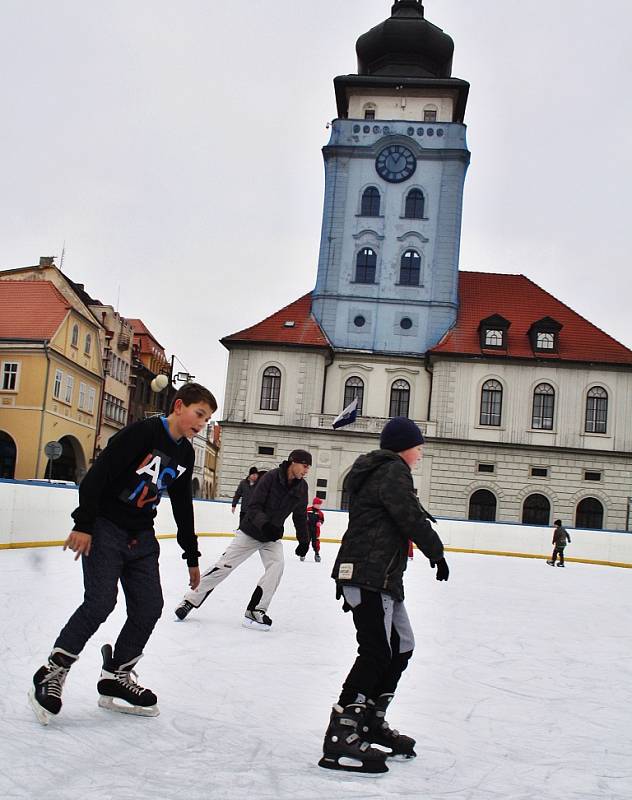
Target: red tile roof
point(522, 302)
point(481, 295)
point(140, 329)
point(31, 309)
point(305, 332)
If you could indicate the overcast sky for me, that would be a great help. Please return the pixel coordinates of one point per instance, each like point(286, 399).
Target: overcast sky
point(175, 149)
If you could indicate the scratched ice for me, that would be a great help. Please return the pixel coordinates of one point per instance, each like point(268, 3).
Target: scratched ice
point(520, 687)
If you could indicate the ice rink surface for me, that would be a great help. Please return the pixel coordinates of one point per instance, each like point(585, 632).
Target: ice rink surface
point(520, 687)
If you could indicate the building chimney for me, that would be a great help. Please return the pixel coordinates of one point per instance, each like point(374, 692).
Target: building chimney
point(47, 261)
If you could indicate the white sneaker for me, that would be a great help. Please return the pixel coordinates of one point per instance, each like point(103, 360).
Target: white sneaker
point(257, 620)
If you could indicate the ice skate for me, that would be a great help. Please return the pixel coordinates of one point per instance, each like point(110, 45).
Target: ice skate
point(183, 609)
point(378, 732)
point(257, 619)
point(317, 557)
point(302, 558)
point(551, 563)
point(119, 691)
point(344, 748)
point(48, 683)
point(560, 564)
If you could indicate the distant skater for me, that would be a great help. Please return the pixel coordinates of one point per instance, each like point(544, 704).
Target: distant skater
point(560, 539)
point(244, 492)
point(114, 535)
point(315, 519)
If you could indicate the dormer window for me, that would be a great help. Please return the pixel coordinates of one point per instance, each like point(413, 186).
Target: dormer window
point(544, 335)
point(494, 332)
point(493, 338)
point(545, 341)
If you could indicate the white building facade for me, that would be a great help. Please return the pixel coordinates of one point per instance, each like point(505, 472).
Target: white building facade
point(526, 406)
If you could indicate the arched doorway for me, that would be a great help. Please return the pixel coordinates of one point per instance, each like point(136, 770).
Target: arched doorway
point(195, 487)
point(482, 506)
point(71, 465)
point(536, 510)
point(8, 456)
point(589, 514)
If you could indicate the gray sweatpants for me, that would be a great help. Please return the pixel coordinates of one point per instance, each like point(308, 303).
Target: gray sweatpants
point(241, 548)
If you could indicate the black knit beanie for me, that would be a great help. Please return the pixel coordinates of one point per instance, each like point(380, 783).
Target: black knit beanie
point(300, 457)
point(400, 433)
point(252, 471)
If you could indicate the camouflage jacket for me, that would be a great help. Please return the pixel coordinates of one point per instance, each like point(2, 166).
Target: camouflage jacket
point(384, 513)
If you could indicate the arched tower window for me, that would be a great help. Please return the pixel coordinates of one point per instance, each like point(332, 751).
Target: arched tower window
point(75, 336)
point(88, 344)
point(430, 112)
point(543, 407)
point(270, 389)
point(400, 399)
point(370, 110)
point(482, 506)
point(354, 387)
point(366, 262)
point(410, 268)
point(491, 403)
point(370, 206)
point(536, 510)
point(414, 208)
point(596, 410)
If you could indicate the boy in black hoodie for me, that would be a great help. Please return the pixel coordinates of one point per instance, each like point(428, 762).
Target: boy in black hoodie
point(384, 514)
point(114, 535)
point(279, 493)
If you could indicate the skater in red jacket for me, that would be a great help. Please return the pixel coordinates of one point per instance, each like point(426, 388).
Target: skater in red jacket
point(315, 519)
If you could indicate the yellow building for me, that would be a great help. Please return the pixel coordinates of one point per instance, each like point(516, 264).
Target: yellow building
point(51, 380)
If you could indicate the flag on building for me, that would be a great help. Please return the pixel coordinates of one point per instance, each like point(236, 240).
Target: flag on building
point(348, 415)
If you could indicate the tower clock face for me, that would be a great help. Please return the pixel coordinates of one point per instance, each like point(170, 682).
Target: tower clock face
point(395, 163)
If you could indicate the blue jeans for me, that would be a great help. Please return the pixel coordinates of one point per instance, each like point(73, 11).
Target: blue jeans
point(130, 557)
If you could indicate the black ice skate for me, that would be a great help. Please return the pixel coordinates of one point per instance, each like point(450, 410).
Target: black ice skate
point(257, 619)
point(119, 690)
point(560, 564)
point(316, 556)
point(551, 563)
point(344, 749)
point(377, 731)
point(48, 682)
point(183, 609)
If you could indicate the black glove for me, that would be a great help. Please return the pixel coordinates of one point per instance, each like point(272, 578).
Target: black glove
point(443, 572)
point(302, 547)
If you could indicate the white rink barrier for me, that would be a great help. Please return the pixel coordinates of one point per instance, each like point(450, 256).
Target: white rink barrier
point(38, 514)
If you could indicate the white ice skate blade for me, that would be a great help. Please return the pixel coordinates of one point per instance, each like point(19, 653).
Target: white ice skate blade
point(253, 625)
point(43, 716)
point(110, 704)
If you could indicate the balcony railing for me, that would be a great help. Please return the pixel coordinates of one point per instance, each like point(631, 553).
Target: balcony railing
point(325, 422)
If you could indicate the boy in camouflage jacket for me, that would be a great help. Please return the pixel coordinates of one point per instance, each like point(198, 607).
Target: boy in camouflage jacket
point(384, 513)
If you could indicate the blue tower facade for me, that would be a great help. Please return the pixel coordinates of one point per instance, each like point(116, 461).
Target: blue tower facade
point(395, 168)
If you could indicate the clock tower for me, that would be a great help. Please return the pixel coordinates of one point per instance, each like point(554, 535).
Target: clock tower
point(394, 172)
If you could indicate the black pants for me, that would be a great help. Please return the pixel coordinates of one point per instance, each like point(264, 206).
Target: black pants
point(558, 551)
point(385, 644)
point(116, 556)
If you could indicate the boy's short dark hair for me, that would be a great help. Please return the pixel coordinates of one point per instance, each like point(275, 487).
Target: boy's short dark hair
point(191, 393)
